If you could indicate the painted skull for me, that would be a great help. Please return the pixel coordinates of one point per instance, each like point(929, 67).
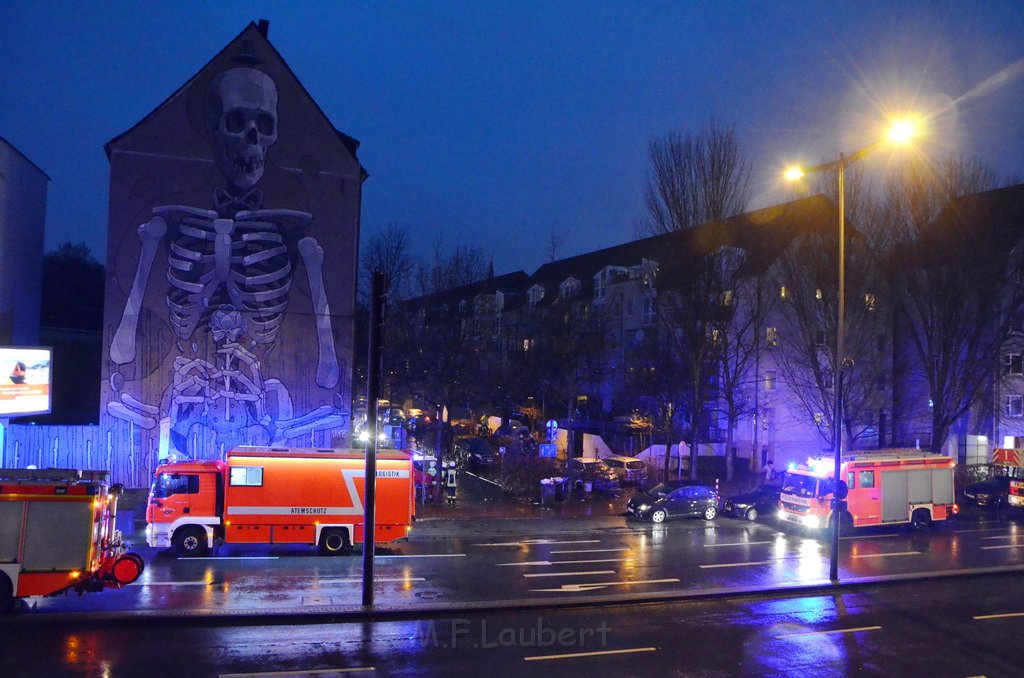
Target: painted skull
point(242, 122)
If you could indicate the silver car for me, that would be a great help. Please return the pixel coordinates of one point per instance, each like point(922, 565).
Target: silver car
point(630, 470)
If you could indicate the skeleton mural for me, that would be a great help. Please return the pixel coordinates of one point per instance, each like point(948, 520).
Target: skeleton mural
point(229, 273)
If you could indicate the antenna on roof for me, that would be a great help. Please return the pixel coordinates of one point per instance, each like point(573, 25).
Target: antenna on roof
point(263, 26)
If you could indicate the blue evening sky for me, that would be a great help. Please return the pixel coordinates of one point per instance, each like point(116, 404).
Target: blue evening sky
point(494, 123)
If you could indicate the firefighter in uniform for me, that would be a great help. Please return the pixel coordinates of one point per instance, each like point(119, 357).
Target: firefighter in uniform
point(449, 481)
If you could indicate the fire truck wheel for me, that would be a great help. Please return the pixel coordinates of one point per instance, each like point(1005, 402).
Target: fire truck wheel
point(190, 541)
point(921, 520)
point(334, 543)
point(6, 594)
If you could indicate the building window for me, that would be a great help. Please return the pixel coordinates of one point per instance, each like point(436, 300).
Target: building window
point(725, 299)
point(869, 302)
point(526, 345)
point(1012, 363)
point(818, 294)
point(536, 294)
point(819, 338)
point(819, 418)
point(1013, 405)
point(783, 293)
point(648, 311)
point(1017, 323)
point(769, 380)
point(629, 308)
point(771, 336)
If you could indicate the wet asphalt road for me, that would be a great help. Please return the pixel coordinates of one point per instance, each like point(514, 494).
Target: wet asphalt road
point(963, 627)
point(541, 561)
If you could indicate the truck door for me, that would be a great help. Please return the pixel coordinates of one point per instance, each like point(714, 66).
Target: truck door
point(894, 496)
point(173, 495)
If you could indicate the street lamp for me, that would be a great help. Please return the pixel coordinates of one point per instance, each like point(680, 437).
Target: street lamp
point(901, 132)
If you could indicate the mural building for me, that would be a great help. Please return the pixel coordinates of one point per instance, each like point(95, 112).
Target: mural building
point(231, 268)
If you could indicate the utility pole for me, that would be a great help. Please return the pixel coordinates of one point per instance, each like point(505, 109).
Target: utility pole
point(373, 379)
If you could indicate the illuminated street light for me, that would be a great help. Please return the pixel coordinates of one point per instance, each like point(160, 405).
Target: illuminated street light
point(901, 132)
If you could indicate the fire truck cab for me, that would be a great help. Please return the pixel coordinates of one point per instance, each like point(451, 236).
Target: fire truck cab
point(57, 534)
point(1009, 462)
point(884, 487)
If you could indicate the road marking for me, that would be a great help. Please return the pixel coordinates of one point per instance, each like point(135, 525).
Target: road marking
point(886, 555)
point(740, 543)
point(347, 580)
point(999, 616)
point(1001, 536)
point(1004, 546)
point(569, 562)
point(592, 550)
point(227, 557)
point(755, 562)
point(574, 655)
point(425, 555)
point(872, 536)
point(980, 529)
point(541, 542)
point(825, 633)
point(567, 574)
point(176, 583)
point(311, 672)
point(582, 588)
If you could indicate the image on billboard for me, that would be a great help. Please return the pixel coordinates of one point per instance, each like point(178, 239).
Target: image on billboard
point(24, 381)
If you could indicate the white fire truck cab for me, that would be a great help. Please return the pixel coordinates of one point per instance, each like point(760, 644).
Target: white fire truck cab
point(57, 534)
point(884, 487)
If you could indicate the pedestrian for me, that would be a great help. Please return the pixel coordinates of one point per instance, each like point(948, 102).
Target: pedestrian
point(769, 472)
point(450, 482)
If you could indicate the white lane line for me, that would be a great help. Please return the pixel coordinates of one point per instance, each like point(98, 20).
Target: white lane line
point(592, 550)
point(980, 529)
point(541, 542)
point(574, 655)
point(825, 633)
point(568, 574)
point(228, 558)
point(998, 616)
point(353, 580)
point(567, 562)
point(886, 555)
point(582, 588)
point(176, 583)
point(1004, 546)
point(739, 543)
point(754, 562)
point(311, 672)
point(1001, 536)
point(871, 536)
point(425, 555)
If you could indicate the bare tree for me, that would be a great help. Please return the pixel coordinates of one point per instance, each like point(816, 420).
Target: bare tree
point(389, 251)
point(464, 265)
point(958, 266)
point(695, 179)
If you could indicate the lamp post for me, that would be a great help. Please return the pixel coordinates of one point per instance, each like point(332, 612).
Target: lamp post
point(900, 133)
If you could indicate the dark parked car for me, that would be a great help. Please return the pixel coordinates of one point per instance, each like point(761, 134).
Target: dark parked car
point(991, 492)
point(674, 500)
point(760, 502)
point(476, 453)
point(593, 472)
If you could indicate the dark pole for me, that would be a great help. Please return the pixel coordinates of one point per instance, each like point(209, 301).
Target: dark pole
point(837, 418)
point(372, 393)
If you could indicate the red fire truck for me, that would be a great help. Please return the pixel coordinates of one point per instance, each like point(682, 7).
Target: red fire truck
point(1009, 462)
point(264, 495)
point(57, 534)
point(885, 487)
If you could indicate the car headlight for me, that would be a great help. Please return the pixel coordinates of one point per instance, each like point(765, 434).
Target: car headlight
point(811, 521)
point(781, 515)
point(643, 507)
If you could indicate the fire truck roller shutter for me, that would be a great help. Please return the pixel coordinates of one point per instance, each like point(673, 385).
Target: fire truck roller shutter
point(56, 535)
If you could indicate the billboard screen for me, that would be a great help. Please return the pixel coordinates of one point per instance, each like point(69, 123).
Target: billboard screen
point(24, 381)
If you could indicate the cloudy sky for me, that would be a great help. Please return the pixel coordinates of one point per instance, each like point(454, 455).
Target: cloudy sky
point(495, 124)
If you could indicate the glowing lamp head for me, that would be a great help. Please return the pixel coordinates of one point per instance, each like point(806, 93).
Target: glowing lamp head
point(903, 131)
point(793, 173)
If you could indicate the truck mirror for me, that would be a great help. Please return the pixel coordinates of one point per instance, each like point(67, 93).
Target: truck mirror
point(842, 490)
point(116, 489)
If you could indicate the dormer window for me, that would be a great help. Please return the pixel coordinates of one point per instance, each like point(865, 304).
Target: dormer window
point(569, 288)
point(535, 294)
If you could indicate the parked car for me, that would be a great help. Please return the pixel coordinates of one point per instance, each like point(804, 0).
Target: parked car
point(991, 492)
point(594, 471)
point(761, 502)
point(476, 453)
point(674, 500)
point(630, 470)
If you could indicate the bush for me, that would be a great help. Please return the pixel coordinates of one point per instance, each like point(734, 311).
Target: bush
point(521, 474)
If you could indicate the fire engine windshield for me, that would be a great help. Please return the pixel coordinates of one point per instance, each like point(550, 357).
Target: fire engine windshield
point(799, 484)
point(167, 484)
